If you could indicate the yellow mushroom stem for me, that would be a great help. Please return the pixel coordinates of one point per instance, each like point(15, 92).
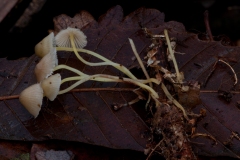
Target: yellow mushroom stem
point(106, 61)
point(103, 78)
point(109, 79)
point(127, 80)
point(170, 97)
point(142, 66)
point(63, 66)
point(172, 55)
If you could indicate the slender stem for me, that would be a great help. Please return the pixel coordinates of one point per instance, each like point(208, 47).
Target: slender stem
point(207, 25)
point(108, 62)
point(172, 55)
point(139, 60)
point(102, 89)
point(154, 149)
point(82, 75)
point(63, 66)
point(83, 60)
point(85, 51)
point(140, 84)
point(142, 66)
point(110, 79)
point(210, 74)
point(77, 78)
point(216, 91)
point(235, 76)
point(86, 78)
point(9, 97)
point(169, 96)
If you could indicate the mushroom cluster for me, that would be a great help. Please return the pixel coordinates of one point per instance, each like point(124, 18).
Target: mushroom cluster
point(48, 84)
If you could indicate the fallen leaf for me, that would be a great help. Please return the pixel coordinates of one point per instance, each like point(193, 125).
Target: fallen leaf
point(74, 116)
point(221, 116)
point(88, 116)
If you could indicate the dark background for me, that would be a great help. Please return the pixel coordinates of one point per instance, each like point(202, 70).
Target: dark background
point(224, 18)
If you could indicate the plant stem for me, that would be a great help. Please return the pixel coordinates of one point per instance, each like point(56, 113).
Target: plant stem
point(92, 77)
point(177, 104)
point(107, 62)
point(207, 25)
point(82, 75)
point(63, 66)
point(172, 55)
point(84, 51)
point(235, 76)
point(142, 66)
point(77, 78)
point(110, 79)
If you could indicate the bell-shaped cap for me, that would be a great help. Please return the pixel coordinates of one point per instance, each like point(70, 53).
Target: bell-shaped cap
point(31, 99)
point(51, 86)
point(46, 65)
point(63, 38)
point(45, 45)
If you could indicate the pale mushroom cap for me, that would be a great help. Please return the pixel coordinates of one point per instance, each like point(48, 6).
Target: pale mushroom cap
point(31, 99)
point(63, 38)
point(51, 86)
point(46, 65)
point(45, 45)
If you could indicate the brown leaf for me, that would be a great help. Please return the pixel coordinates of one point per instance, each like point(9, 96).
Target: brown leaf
point(221, 116)
point(88, 117)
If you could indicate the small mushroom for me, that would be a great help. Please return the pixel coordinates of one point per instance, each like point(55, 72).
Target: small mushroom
point(31, 99)
point(45, 45)
point(51, 86)
point(64, 36)
point(46, 65)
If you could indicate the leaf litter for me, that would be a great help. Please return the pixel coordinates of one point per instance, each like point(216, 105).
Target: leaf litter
point(168, 121)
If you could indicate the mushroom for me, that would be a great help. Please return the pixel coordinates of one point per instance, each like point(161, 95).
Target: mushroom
point(46, 65)
point(45, 45)
point(63, 38)
point(51, 86)
point(31, 99)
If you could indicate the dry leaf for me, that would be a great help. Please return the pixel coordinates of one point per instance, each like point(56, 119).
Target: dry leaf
point(88, 116)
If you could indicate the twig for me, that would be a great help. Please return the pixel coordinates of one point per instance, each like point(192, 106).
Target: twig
point(9, 97)
point(118, 106)
point(150, 154)
point(78, 90)
point(215, 91)
point(208, 29)
point(235, 76)
point(210, 74)
point(234, 134)
point(204, 135)
point(214, 67)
